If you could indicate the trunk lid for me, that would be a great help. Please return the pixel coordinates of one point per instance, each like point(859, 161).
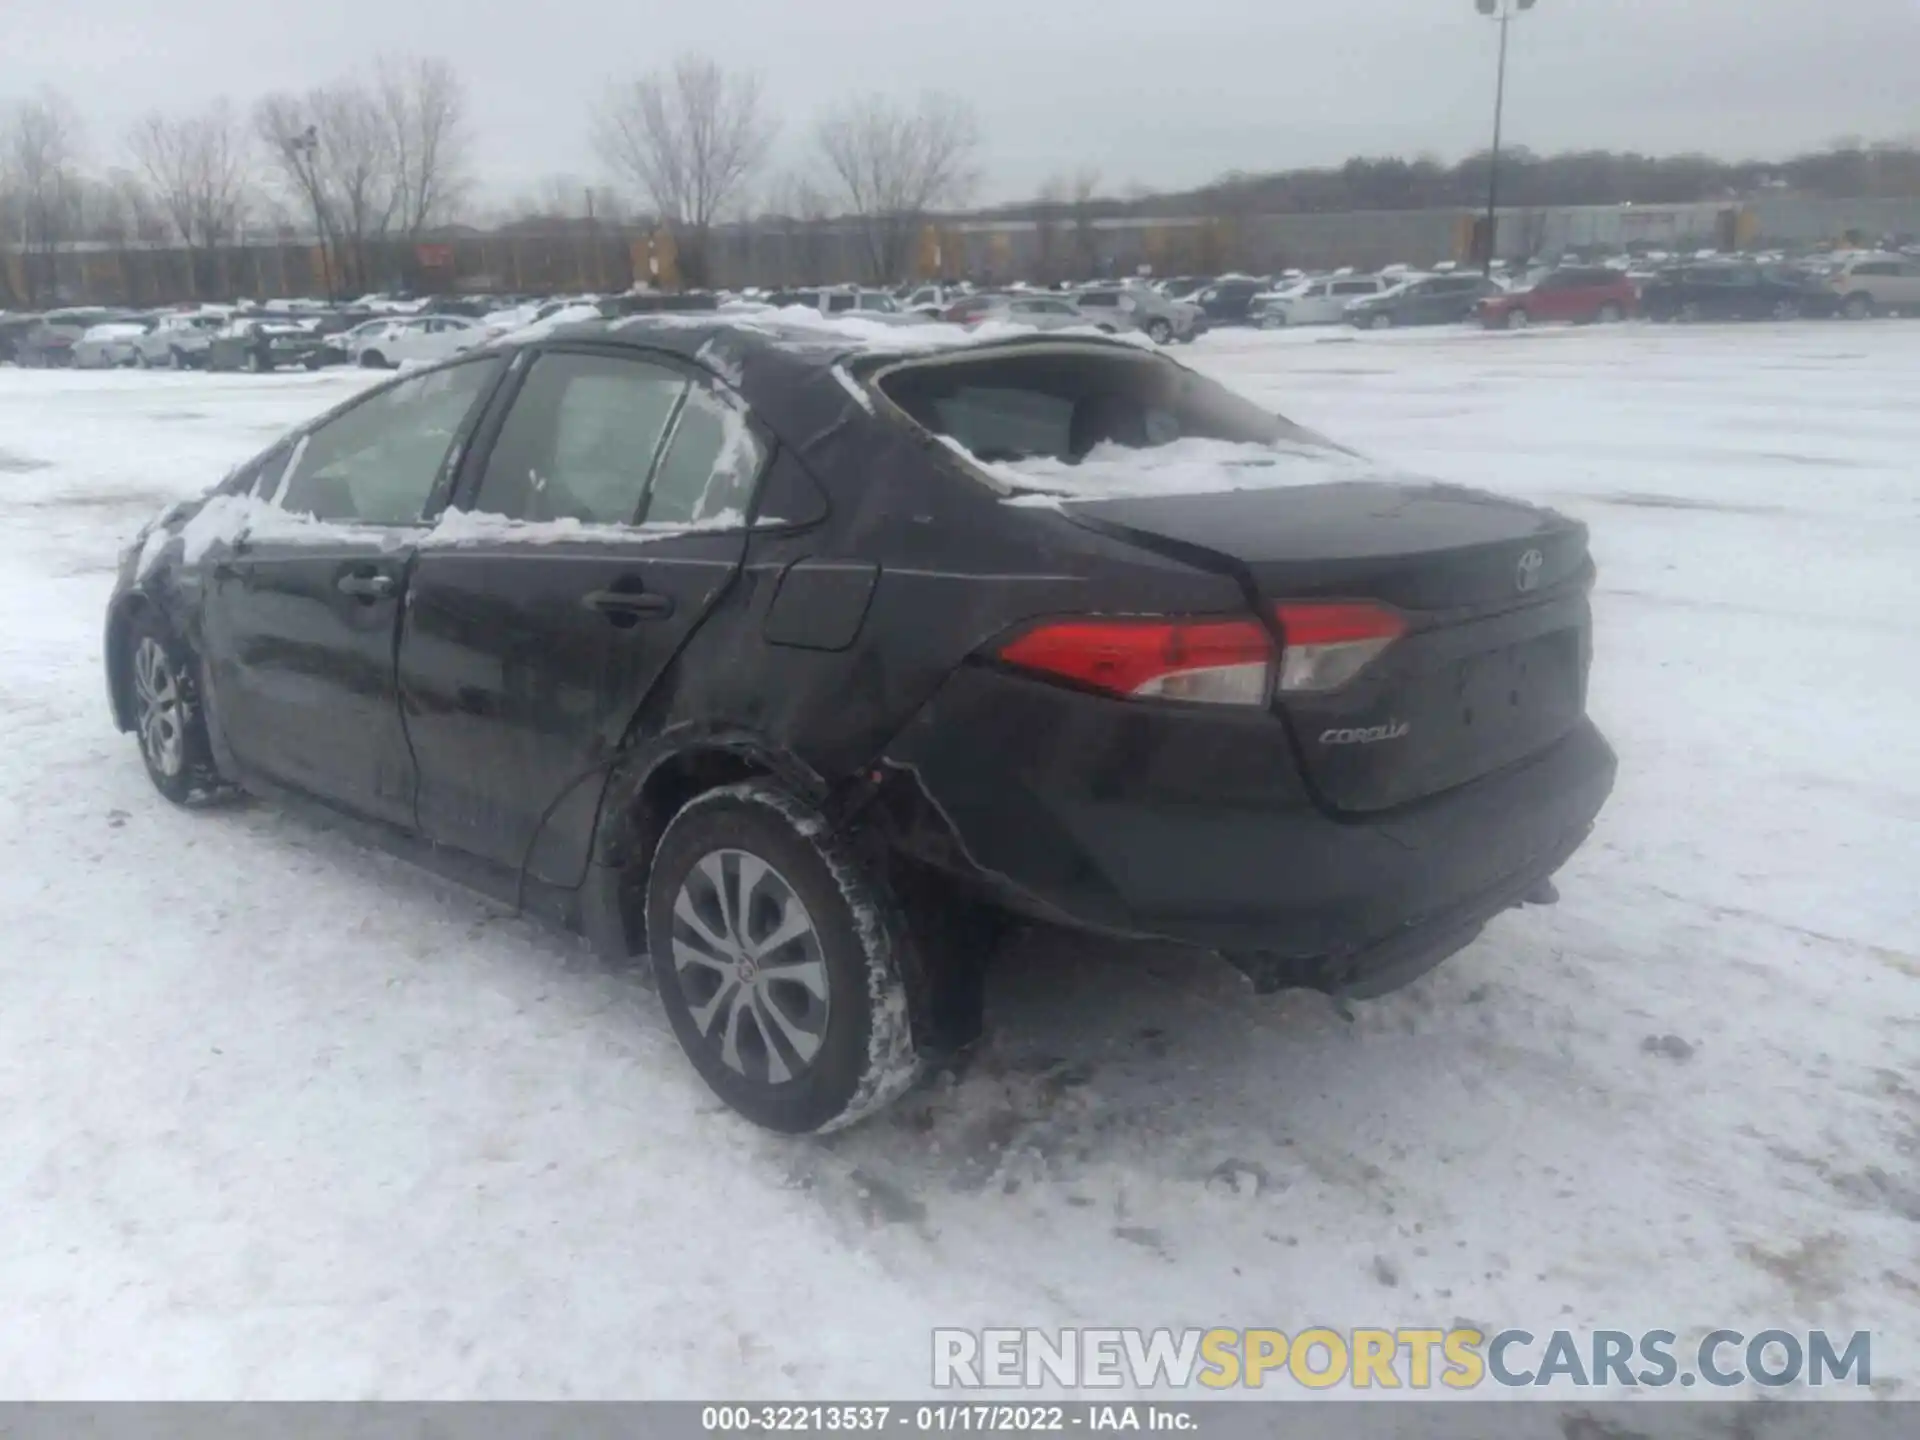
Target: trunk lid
point(1493, 665)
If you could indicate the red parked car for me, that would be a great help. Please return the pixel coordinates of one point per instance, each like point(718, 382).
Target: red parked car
point(1580, 296)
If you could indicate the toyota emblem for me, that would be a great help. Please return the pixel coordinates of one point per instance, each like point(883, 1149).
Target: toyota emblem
point(1526, 575)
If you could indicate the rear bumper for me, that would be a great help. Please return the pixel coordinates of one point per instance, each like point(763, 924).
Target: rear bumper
point(1194, 826)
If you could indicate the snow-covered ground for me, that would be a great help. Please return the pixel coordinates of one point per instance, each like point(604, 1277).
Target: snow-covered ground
point(281, 1117)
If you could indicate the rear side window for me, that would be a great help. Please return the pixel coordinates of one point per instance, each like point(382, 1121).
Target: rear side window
point(378, 462)
point(1877, 267)
point(711, 463)
point(580, 440)
point(996, 423)
point(1061, 405)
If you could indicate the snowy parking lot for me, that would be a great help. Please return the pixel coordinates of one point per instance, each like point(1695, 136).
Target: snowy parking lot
point(283, 1117)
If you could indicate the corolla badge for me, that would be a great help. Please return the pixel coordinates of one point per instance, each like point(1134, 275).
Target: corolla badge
point(1372, 735)
point(1526, 575)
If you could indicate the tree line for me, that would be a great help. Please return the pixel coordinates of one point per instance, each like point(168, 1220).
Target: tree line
point(387, 156)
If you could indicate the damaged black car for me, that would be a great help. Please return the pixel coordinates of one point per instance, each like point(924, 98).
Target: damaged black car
point(793, 660)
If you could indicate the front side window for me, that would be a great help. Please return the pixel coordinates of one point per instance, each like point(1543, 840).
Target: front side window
point(377, 463)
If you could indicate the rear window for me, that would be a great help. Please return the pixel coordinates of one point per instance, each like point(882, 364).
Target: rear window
point(1059, 405)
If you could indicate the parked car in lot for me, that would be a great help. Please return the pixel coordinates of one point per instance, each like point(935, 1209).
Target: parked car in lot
point(51, 339)
point(1582, 295)
point(1136, 307)
point(1877, 285)
point(178, 341)
point(108, 346)
point(1321, 301)
point(412, 340)
point(260, 343)
point(875, 305)
point(1422, 300)
point(1721, 291)
point(15, 326)
point(1229, 300)
point(1042, 312)
point(690, 636)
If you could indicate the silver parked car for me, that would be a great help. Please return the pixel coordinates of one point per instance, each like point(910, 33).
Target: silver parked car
point(178, 341)
point(1322, 300)
point(1041, 312)
point(1134, 307)
point(108, 345)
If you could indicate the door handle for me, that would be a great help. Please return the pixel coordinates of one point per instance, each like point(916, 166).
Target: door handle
point(365, 587)
point(624, 607)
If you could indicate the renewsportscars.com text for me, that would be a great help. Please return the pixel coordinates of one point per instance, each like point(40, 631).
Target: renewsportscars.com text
point(1461, 1358)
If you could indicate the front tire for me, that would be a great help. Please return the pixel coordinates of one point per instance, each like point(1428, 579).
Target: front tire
point(1381, 321)
point(1160, 332)
point(1518, 318)
point(1859, 306)
point(163, 690)
point(373, 360)
point(777, 954)
point(1609, 315)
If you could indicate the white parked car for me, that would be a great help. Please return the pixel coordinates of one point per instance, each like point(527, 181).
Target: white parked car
point(419, 340)
point(177, 341)
point(102, 347)
point(1314, 302)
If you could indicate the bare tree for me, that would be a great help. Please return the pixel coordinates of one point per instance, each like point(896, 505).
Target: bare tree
point(39, 173)
point(196, 170)
point(334, 148)
point(690, 139)
point(894, 165)
point(425, 107)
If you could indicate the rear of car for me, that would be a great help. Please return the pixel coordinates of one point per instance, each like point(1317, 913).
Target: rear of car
point(1325, 724)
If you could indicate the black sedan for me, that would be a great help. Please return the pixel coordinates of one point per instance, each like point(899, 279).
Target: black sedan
point(783, 659)
point(268, 344)
point(1735, 292)
point(1423, 300)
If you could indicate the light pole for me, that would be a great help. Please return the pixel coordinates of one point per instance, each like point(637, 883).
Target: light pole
point(1504, 10)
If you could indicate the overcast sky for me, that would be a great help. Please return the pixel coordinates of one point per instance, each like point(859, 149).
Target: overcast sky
point(1155, 92)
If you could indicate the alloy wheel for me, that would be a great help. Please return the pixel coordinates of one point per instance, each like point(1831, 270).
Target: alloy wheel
point(156, 691)
point(748, 959)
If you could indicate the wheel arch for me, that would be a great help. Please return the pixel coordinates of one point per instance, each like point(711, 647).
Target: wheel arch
point(120, 618)
point(650, 785)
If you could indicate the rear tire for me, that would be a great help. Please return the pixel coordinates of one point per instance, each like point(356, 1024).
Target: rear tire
point(1160, 332)
point(162, 680)
point(1858, 306)
point(1382, 321)
point(808, 1033)
point(1518, 318)
point(373, 360)
point(1609, 315)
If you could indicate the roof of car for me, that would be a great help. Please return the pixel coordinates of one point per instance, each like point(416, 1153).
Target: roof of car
point(723, 343)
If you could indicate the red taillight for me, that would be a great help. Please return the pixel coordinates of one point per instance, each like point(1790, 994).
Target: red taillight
point(1326, 644)
point(1208, 662)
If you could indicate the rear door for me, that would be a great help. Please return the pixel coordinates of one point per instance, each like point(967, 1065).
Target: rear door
point(604, 517)
point(302, 602)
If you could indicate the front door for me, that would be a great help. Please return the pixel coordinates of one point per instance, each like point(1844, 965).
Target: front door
point(606, 517)
point(303, 603)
